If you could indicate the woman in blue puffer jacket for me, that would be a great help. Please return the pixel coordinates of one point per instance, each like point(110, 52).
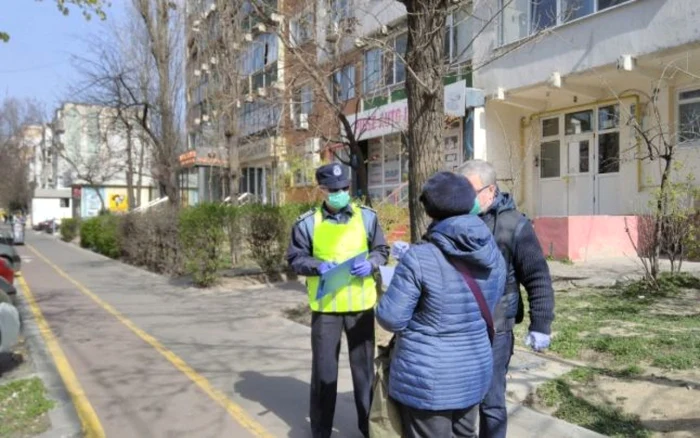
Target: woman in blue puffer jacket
point(442, 363)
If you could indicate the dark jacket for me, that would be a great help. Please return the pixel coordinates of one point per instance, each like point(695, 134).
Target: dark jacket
point(300, 252)
point(442, 358)
point(526, 266)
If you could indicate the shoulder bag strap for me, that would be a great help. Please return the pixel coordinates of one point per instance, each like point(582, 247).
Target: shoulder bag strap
point(478, 295)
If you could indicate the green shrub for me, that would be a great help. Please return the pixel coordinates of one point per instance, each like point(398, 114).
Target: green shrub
point(69, 229)
point(202, 236)
point(101, 234)
point(151, 239)
point(89, 230)
point(266, 234)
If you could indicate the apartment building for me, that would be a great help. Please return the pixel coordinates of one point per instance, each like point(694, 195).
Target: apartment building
point(90, 149)
point(36, 142)
point(252, 88)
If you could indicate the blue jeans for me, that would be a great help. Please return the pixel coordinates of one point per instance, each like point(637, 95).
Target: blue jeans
point(493, 415)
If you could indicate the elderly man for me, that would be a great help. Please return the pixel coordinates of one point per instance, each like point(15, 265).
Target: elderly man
point(323, 237)
point(526, 266)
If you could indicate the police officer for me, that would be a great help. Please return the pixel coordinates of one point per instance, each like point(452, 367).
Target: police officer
point(321, 238)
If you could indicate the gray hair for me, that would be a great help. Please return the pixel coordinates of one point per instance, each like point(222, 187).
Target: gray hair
point(483, 169)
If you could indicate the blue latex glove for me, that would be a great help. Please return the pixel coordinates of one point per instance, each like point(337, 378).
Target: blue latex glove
point(361, 268)
point(399, 248)
point(325, 267)
point(538, 341)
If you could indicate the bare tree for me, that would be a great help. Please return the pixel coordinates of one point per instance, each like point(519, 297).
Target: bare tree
point(15, 188)
point(100, 159)
point(136, 70)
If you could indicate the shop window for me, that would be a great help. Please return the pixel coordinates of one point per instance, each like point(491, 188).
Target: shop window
point(578, 122)
point(609, 152)
point(689, 116)
point(550, 159)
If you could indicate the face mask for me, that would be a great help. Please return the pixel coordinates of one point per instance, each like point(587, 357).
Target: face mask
point(339, 199)
point(476, 209)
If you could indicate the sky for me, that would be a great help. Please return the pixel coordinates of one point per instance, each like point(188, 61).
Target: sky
point(36, 62)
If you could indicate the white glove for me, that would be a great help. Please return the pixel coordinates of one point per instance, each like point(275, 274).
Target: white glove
point(399, 248)
point(537, 341)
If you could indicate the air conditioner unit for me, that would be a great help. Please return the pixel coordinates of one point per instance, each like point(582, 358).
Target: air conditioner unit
point(205, 118)
point(360, 43)
point(197, 121)
point(277, 85)
point(261, 27)
point(196, 23)
point(212, 7)
point(249, 98)
point(203, 15)
point(205, 66)
point(303, 121)
point(262, 92)
point(248, 37)
point(235, 46)
point(333, 31)
point(195, 29)
point(238, 103)
point(213, 60)
point(277, 18)
point(385, 29)
point(197, 73)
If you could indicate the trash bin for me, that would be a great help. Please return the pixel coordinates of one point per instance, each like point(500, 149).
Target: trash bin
point(18, 231)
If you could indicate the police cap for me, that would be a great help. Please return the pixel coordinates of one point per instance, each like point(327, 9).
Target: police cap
point(334, 176)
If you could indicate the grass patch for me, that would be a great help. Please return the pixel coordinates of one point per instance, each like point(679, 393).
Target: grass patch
point(559, 395)
point(23, 405)
point(628, 326)
point(300, 314)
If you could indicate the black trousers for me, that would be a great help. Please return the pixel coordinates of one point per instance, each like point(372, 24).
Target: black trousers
point(326, 330)
point(418, 423)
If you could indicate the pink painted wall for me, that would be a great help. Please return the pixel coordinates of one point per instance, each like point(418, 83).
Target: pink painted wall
point(581, 238)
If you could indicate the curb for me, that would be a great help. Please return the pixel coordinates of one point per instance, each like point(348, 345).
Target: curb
point(63, 417)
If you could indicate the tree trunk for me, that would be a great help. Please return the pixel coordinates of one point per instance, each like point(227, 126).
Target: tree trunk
point(142, 156)
point(129, 167)
point(660, 217)
point(357, 158)
point(424, 89)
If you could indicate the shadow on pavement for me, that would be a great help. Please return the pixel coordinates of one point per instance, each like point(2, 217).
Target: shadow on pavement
point(288, 399)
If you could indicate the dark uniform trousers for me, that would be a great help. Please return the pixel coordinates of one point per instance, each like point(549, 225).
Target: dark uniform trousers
point(419, 423)
point(326, 330)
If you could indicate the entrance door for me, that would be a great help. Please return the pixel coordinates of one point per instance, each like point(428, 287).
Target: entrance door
point(580, 179)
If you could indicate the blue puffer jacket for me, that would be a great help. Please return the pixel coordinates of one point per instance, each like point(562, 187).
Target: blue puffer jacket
point(442, 359)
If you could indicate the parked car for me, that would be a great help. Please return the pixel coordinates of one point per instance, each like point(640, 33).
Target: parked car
point(7, 279)
point(7, 249)
point(10, 324)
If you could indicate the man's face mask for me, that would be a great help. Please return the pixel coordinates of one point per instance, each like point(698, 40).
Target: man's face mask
point(477, 207)
point(339, 199)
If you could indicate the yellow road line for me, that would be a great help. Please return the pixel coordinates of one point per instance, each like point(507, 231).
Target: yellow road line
point(92, 428)
point(233, 409)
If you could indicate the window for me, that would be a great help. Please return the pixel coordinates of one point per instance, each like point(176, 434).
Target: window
point(609, 152)
point(302, 105)
point(342, 84)
point(385, 68)
point(259, 54)
point(608, 117)
point(458, 36)
point(301, 29)
point(579, 122)
point(550, 127)
point(689, 116)
point(550, 153)
point(521, 18)
point(65, 202)
point(340, 10)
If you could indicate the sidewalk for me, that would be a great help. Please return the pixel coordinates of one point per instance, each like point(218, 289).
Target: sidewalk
point(237, 339)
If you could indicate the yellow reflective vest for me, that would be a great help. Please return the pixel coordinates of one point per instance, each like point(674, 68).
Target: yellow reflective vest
point(333, 242)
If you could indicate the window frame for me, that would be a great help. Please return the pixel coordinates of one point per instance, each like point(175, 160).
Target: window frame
point(342, 83)
point(559, 20)
point(386, 59)
point(679, 101)
point(298, 23)
point(302, 99)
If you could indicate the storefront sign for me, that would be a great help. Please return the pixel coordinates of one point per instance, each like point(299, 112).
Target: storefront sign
point(203, 157)
point(393, 118)
point(255, 150)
